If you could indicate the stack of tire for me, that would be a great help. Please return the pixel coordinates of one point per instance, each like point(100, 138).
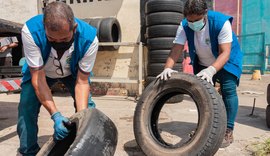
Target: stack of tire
point(162, 18)
point(108, 30)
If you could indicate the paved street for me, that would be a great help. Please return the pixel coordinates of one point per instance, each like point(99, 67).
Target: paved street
point(249, 128)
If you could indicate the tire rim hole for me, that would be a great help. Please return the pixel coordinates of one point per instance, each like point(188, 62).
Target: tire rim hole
point(64, 144)
point(171, 128)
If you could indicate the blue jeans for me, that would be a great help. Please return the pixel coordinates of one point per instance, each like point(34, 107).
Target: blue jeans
point(228, 83)
point(28, 111)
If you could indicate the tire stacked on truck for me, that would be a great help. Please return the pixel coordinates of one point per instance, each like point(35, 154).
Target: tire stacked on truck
point(162, 18)
point(108, 30)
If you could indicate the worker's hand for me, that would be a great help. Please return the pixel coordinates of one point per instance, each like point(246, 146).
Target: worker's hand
point(3, 48)
point(166, 74)
point(60, 131)
point(207, 74)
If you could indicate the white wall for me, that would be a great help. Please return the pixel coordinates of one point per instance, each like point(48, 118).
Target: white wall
point(18, 10)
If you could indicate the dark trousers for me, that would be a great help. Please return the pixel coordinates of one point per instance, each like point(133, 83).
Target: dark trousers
point(228, 83)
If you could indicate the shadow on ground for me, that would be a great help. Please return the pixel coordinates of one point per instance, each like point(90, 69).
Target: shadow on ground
point(255, 119)
point(8, 114)
point(175, 128)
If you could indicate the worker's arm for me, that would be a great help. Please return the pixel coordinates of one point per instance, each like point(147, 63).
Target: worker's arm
point(82, 90)
point(42, 90)
point(225, 39)
point(45, 97)
point(223, 57)
point(174, 55)
point(82, 87)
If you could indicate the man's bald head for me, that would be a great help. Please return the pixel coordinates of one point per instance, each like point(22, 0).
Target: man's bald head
point(57, 14)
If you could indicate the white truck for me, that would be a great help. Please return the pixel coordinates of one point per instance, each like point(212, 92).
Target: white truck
point(99, 13)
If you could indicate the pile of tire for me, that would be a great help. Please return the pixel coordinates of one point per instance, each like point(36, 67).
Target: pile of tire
point(108, 30)
point(162, 19)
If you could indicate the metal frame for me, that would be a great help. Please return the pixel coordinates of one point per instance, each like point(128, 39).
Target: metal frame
point(16, 70)
point(123, 80)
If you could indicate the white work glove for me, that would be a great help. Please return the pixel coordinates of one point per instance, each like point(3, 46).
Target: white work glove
point(207, 74)
point(166, 74)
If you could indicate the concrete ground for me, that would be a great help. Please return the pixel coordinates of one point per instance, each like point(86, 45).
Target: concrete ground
point(249, 129)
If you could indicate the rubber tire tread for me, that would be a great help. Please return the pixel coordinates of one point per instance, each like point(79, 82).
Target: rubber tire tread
point(160, 56)
point(154, 69)
point(161, 31)
point(160, 18)
point(211, 113)
point(152, 6)
point(161, 43)
point(96, 23)
point(174, 99)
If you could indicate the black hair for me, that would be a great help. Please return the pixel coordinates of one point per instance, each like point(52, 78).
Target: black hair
point(195, 7)
point(56, 14)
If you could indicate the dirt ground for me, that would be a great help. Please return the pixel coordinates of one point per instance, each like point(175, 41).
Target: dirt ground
point(250, 127)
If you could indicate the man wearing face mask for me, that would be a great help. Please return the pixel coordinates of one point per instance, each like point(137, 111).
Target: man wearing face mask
point(215, 54)
point(57, 47)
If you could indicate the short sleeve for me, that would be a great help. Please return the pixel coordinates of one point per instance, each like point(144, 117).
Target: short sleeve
point(31, 50)
point(180, 37)
point(225, 35)
point(87, 62)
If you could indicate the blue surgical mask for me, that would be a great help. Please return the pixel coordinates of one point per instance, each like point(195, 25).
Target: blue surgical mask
point(196, 26)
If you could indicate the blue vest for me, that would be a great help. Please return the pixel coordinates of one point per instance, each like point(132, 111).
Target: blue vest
point(83, 38)
point(216, 21)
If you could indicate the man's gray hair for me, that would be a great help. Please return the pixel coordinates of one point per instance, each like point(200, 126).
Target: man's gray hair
point(195, 7)
point(56, 14)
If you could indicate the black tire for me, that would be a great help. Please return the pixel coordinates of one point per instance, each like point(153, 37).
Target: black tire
point(110, 31)
point(92, 133)
point(267, 115)
point(160, 56)
point(96, 23)
point(162, 6)
point(160, 18)
point(154, 69)
point(161, 43)
point(87, 20)
point(211, 117)
point(148, 80)
point(143, 26)
point(268, 94)
point(174, 99)
point(161, 31)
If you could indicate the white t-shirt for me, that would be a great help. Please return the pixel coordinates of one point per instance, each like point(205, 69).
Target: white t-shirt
point(6, 41)
point(52, 66)
point(202, 41)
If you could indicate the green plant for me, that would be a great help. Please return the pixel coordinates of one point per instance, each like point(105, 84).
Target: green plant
point(262, 149)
